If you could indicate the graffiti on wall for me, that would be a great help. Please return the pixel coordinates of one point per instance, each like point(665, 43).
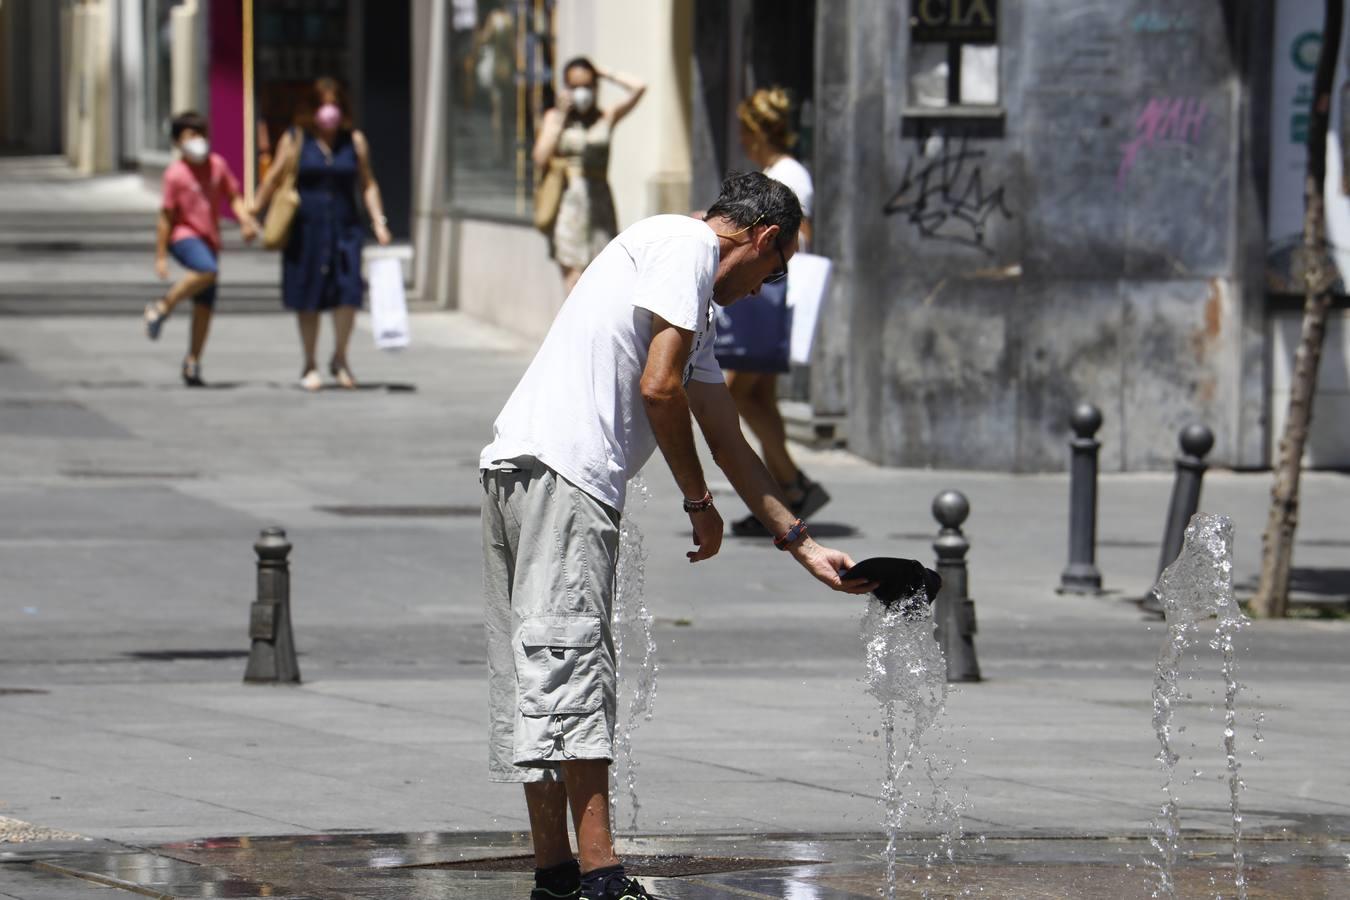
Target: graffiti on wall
point(1162, 120)
point(944, 196)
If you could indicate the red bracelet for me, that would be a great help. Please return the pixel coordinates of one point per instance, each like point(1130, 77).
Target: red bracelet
point(795, 533)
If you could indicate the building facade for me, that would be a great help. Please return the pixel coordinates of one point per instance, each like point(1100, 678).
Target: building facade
point(1028, 205)
point(1108, 222)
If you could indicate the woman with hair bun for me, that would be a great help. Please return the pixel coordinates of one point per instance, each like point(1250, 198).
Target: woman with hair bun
point(767, 136)
point(577, 131)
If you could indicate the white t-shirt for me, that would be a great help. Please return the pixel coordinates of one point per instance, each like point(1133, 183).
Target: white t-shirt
point(578, 409)
point(795, 176)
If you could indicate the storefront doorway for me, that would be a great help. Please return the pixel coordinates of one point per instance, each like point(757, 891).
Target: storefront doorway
point(739, 47)
point(366, 46)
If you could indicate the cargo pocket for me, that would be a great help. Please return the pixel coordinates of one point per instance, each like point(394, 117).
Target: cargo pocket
point(558, 665)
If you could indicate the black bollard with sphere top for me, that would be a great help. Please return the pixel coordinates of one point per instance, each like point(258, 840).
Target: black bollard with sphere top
point(1196, 441)
point(271, 659)
point(1082, 576)
point(954, 611)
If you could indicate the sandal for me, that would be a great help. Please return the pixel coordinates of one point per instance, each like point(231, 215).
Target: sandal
point(155, 315)
point(813, 496)
point(344, 376)
point(310, 380)
point(749, 527)
point(192, 372)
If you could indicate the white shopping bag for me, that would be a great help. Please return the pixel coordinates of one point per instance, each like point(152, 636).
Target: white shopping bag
point(388, 305)
point(808, 280)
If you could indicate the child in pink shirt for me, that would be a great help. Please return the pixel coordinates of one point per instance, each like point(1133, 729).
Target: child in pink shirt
point(189, 229)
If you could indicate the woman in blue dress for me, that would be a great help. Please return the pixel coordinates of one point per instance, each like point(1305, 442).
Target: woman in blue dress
point(321, 264)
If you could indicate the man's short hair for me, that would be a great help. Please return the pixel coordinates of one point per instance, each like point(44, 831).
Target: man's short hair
point(753, 198)
point(185, 120)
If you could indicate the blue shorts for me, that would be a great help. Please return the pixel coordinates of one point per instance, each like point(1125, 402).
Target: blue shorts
point(197, 255)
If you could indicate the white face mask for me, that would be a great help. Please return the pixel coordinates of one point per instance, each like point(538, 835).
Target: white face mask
point(196, 149)
point(583, 98)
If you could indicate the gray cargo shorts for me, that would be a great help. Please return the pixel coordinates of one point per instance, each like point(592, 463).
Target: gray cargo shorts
point(549, 556)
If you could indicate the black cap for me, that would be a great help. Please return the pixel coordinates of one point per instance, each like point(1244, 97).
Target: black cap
point(899, 579)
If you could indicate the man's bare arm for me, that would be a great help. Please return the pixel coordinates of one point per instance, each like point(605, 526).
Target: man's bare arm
point(667, 408)
point(715, 411)
point(712, 405)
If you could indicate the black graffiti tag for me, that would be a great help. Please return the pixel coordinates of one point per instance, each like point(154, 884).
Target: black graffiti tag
point(945, 197)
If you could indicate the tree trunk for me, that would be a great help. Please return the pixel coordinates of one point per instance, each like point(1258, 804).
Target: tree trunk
point(1319, 273)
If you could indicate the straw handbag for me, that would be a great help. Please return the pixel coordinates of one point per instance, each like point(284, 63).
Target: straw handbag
point(548, 195)
point(285, 201)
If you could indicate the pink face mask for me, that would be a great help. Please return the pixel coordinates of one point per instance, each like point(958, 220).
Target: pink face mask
point(328, 116)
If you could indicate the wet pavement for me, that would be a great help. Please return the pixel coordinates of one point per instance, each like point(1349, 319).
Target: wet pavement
point(496, 866)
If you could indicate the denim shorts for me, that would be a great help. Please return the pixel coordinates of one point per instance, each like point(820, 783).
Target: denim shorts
point(550, 551)
point(195, 254)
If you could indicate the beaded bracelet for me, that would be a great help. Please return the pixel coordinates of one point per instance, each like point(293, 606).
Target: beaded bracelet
point(693, 506)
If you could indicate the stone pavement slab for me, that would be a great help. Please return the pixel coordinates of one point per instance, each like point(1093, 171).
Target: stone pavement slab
point(126, 570)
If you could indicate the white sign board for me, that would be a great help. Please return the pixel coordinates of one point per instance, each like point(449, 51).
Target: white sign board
point(1298, 40)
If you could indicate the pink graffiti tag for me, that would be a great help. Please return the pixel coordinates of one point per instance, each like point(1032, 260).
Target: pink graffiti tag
point(1163, 119)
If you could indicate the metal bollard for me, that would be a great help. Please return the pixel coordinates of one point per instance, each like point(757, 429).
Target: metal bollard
point(272, 656)
point(1081, 576)
point(954, 611)
point(1196, 441)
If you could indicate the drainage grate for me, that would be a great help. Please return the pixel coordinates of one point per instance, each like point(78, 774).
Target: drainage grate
point(657, 866)
point(175, 655)
point(402, 512)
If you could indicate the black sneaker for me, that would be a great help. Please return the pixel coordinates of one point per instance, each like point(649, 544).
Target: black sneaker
point(621, 888)
point(545, 894)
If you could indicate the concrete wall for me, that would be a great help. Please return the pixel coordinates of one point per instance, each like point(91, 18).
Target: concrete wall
point(90, 86)
point(1329, 435)
point(131, 65)
point(1084, 245)
point(505, 277)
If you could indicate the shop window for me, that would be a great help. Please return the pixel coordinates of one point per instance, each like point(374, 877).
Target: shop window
point(953, 54)
point(501, 81)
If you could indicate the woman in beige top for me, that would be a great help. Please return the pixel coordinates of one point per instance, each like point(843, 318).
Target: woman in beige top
point(578, 132)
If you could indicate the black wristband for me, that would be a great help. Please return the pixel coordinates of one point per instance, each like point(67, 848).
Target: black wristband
point(693, 506)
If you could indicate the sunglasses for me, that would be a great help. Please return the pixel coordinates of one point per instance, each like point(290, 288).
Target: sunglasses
point(780, 273)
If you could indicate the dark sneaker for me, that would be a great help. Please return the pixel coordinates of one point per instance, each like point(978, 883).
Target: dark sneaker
point(748, 527)
point(545, 894)
point(813, 498)
point(619, 889)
